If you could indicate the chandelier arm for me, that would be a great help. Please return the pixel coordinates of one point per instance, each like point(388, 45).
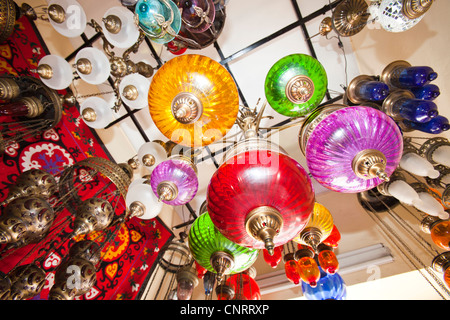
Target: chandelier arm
point(107, 46)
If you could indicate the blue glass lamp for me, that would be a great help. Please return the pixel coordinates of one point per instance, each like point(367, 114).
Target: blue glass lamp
point(402, 104)
point(401, 74)
point(436, 125)
point(329, 287)
point(366, 88)
point(160, 20)
point(427, 92)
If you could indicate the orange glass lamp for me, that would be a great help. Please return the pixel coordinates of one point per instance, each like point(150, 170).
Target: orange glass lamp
point(327, 259)
point(307, 267)
point(439, 231)
point(193, 100)
point(441, 263)
point(317, 229)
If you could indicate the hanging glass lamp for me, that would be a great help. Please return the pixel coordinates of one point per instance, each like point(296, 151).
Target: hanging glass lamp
point(260, 197)
point(174, 181)
point(274, 259)
point(245, 287)
point(197, 15)
point(350, 149)
point(317, 229)
point(160, 20)
point(295, 85)
point(193, 100)
point(215, 252)
point(329, 287)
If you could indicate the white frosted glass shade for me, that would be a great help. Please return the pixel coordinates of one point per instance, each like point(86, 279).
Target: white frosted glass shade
point(154, 149)
point(101, 68)
point(142, 85)
point(392, 19)
point(103, 112)
point(75, 22)
point(402, 191)
point(144, 194)
point(430, 205)
point(129, 32)
point(62, 72)
point(442, 155)
point(418, 165)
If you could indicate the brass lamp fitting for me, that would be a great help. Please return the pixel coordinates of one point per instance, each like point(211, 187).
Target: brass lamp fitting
point(9, 89)
point(112, 24)
point(56, 13)
point(369, 164)
point(264, 224)
point(186, 108)
point(414, 9)
point(89, 115)
point(84, 66)
point(167, 191)
point(222, 262)
point(299, 89)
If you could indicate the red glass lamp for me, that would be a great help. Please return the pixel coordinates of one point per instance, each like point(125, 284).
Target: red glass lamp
point(274, 259)
point(245, 287)
point(260, 197)
point(291, 268)
point(333, 239)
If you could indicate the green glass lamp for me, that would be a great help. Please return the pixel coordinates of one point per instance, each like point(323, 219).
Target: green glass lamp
point(295, 85)
point(216, 253)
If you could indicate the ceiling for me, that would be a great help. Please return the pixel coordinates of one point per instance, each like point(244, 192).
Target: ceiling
point(257, 33)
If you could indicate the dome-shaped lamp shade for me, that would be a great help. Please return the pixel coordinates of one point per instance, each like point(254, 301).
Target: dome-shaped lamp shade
point(119, 27)
point(175, 181)
point(193, 100)
point(92, 65)
point(142, 202)
point(150, 154)
point(295, 85)
point(245, 287)
point(392, 18)
point(70, 18)
point(259, 203)
point(216, 253)
point(96, 112)
point(55, 72)
point(159, 20)
point(197, 15)
point(317, 229)
point(133, 90)
point(329, 287)
point(353, 149)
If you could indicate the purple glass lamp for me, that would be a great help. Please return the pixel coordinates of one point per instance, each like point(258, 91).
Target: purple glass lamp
point(175, 180)
point(351, 149)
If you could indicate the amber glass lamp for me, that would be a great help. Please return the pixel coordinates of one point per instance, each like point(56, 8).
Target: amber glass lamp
point(260, 197)
point(193, 100)
point(438, 229)
point(319, 227)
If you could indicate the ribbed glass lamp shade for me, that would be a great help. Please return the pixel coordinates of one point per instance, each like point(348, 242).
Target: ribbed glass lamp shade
point(391, 17)
point(96, 112)
point(205, 241)
point(133, 90)
point(128, 32)
point(175, 178)
point(61, 70)
point(245, 287)
point(99, 69)
point(295, 85)
point(75, 18)
point(143, 194)
point(150, 154)
point(338, 144)
point(260, 198)
point(197, 15)
point(153, 16)
point(329, 287)
point(317, 229)
point(193, 100)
